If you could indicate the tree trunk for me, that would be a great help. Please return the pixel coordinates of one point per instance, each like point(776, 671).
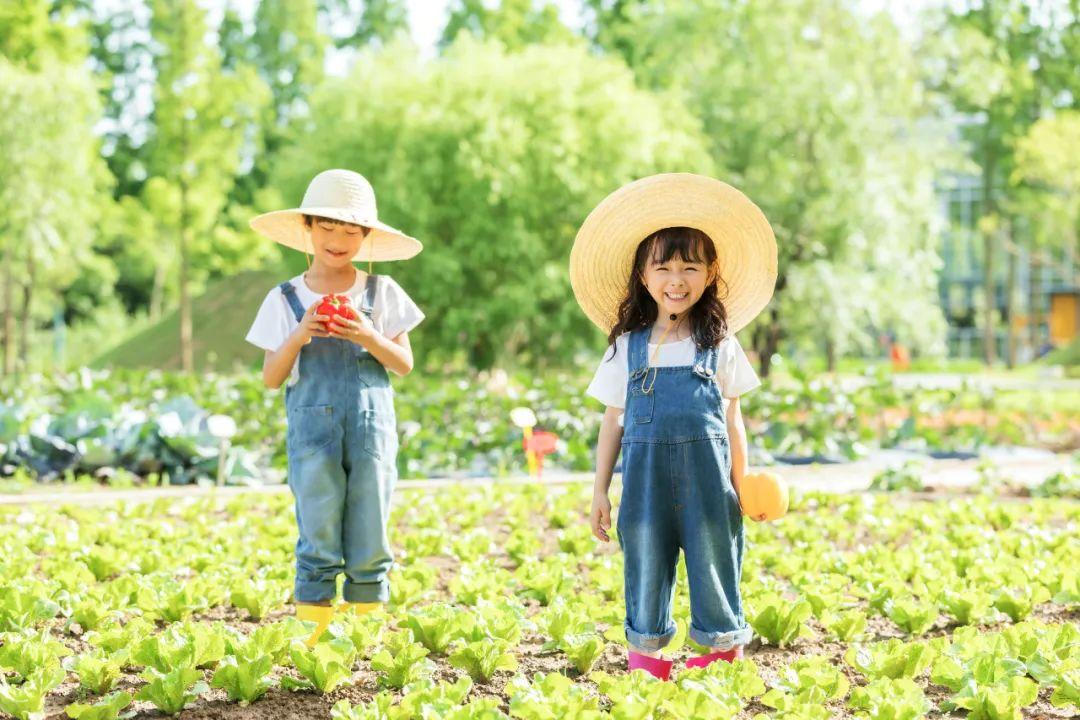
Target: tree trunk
point(157, 292)
point(989, 209)
point(28, 290)
point(1034, 309)
point(770, 342)
point(766, 339)
point(830, 355)
point(1072, 242)
point(1010, 290)
point(989, 301)
point(9, 312)
point(187, 362)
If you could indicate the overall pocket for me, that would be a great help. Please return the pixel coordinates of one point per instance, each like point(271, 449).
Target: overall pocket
point(639, 405)
point(370, 372)
point(379, 432)
point(310, 429)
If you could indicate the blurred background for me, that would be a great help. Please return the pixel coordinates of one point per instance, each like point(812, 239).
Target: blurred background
point(919, 163)
point(920, 166)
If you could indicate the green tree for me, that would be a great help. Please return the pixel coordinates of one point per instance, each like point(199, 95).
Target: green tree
point(289, 53)
point(34, 33)
point(130, 235)
point(234, 41)
point(376, 22)
point(492, 160)
point(811, 109)
point(287, 49)
point(1057, 67)
point(52, 186)
point(612, 26)
point(515, 23)
point(998, 64)
point(1046, 192)
point(121, 56)
point(1048, 157)
point(50, 198)
point(202, 121)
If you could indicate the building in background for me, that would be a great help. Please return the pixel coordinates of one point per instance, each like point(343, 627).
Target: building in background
point(1044, 284)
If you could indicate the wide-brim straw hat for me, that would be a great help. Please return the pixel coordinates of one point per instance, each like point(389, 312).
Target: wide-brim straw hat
point(603, 254)
point(341, 195)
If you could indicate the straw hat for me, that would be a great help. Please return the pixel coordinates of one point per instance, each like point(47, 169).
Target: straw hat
point(603, 254)
point(341, 195)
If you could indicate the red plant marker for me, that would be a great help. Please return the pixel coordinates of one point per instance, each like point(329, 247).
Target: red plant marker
point(540, 443)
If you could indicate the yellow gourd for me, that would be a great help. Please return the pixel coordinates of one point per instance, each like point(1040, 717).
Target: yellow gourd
point(764, 496)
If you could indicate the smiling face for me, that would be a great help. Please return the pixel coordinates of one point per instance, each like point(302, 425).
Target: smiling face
point(335, 243)
point(677, 270)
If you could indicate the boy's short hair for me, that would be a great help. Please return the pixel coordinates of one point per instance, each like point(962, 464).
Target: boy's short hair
point(309, 219)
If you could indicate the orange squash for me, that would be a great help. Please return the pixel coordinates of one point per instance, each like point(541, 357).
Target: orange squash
point(764, 496)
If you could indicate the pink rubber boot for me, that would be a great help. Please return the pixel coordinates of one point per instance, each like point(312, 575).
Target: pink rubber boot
point(701, 661)
point(659, 668)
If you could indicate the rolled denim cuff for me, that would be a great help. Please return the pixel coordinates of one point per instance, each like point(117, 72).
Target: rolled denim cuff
point(378, 591)
point(722, 640)
point(314, 591)
point(648, 642)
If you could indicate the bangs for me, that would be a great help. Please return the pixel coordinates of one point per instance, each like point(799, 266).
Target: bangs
point(690, 244)
point(309, 219)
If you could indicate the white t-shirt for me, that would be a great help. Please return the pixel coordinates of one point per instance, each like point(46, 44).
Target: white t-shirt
point(734, 373)
point(393, 313)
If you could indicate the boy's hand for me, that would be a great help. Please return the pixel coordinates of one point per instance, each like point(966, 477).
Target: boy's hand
point(311, 325)
point(354, 330)
point(600, 517)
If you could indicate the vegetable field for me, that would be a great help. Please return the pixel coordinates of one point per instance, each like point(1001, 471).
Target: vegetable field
point(128, 427)
point(876, 606)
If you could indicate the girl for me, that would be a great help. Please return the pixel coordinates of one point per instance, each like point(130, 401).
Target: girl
point(671, 267)
point(342, 437)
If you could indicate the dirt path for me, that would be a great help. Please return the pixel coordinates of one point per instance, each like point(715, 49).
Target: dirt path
point(1022, 467)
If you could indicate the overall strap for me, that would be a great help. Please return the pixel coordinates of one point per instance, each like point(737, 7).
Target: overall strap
point(637, 360)
point(367, 301)
point(289, 292)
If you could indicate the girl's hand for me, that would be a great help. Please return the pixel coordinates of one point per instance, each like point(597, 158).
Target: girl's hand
point(311, 325)
point(600, 517)
point(353, 330)
point(738, 494)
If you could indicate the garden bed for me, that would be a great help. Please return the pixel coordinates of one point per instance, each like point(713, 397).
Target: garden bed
point(511, 567)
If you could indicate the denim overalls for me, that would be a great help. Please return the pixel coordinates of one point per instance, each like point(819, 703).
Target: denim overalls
point(342, 446)
point(677, 493)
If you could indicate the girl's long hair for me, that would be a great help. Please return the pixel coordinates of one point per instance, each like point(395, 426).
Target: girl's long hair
point(708, 317)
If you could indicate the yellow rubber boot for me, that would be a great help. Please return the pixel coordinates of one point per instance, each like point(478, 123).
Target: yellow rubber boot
point(363, 608)
point(318, 614)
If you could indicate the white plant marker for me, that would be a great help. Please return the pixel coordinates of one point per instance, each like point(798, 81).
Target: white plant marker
point(525, 419)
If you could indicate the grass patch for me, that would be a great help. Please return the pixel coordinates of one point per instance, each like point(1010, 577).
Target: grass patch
point(221, 317)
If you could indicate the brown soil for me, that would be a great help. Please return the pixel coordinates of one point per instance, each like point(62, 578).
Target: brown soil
point(278, 704)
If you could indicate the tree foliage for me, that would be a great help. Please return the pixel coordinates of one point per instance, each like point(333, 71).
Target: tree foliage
point(812, 110)
point(492, 159)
